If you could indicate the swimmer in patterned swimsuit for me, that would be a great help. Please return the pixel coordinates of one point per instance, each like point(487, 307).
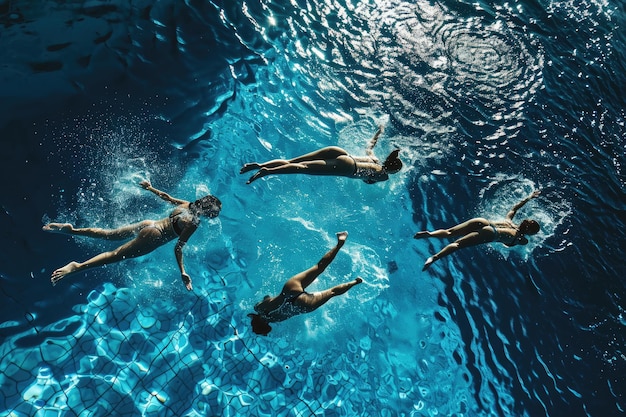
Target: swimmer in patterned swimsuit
point(293, 299)
point(479, 230)
point(148, 234)
point(335, 161)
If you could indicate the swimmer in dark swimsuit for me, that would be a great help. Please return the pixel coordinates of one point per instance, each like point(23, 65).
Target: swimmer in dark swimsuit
point(335, 161)
point(293, 299)
point(147, 235)
point(479, 230)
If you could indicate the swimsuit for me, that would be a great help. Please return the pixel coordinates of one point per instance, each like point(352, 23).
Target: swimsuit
point(286, 310)
point(502, 238)
point(175, 219)
point(369, 175)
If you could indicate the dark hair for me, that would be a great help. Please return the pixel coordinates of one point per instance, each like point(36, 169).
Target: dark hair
point(208, 205)
point(529, 227)
point(259, 326)
point(393, 163)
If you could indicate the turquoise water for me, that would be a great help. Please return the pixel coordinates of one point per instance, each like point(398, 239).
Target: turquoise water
point(487, 102)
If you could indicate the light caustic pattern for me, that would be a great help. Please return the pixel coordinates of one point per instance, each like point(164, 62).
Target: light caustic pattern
point(136, 350)
point(115, 357)
point(120, 355)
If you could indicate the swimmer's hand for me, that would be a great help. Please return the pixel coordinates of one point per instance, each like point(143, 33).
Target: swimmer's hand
point(535, 194)
point(145, 184)
point(187, 281)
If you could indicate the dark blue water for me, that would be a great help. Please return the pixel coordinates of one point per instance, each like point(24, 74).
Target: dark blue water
point(487, 102)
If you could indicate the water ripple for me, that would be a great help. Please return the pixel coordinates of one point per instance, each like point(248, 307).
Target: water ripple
point(484, 70)
point(423, 64)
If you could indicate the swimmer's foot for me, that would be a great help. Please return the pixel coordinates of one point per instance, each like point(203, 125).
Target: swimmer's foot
point(62, 272)
point(58, 228)
point(342, 236)
point(249, 167)
point(260, 173)
point(358, 280)
point(428, 263)
point(420, 235)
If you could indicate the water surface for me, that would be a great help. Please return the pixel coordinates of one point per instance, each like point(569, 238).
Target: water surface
point(487, 102)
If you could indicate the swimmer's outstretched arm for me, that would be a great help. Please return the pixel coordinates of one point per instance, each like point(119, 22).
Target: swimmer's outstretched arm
point(178, 252)
point(165, 196)
point(519, 205)
point(370, 146)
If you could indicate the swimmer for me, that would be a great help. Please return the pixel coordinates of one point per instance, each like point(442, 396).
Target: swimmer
point(332, 160)
point(293, 299)
point(479, 230)
point(147, 235)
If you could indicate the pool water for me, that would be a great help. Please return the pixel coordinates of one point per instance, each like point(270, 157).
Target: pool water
point(487, 103)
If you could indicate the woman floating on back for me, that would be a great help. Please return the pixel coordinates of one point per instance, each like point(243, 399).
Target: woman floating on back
point(293, 299)
point(147, 235)
point(479, 230)
point(332, 160)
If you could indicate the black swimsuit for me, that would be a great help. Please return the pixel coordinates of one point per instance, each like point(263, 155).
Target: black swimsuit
point(368, 175)
point(175, 219)
point(286, 310)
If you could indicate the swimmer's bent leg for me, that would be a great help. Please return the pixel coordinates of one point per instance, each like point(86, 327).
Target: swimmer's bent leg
point(318, 299)
point(302, 280)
